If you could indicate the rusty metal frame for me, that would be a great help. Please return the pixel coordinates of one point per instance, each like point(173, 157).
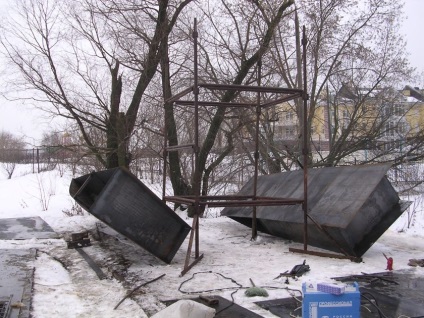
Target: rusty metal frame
point(324, 254)
point(224, 201)
point(196, 200)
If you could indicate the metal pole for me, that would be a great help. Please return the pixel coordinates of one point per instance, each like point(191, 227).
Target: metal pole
point(305, 144)
point(164, 155)
point(38, 160)
point(255, 179)
point(196, 185)
point(165, 144)
point(329, 121)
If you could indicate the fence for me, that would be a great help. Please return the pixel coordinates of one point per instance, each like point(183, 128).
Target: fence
point(40, 158)
point(233, 173)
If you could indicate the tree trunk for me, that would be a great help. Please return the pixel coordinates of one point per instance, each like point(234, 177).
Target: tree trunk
point(124, 157)
point(178, 185)
point(112, 135)
point(244, 69)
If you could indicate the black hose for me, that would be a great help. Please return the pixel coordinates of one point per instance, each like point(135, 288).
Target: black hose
point(380, 313)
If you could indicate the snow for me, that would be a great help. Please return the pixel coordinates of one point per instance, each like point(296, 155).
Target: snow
point(65, 286)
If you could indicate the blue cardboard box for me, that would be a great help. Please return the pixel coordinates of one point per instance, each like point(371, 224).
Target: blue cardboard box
point(317, 304)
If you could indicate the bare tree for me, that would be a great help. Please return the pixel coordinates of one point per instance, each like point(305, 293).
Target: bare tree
point(364, 52)
point(12, 151)
point(374, 128)
point(359, 49)
point(235, 36)
point(90, 61)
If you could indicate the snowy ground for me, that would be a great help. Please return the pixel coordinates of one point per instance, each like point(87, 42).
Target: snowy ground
point(65, 286)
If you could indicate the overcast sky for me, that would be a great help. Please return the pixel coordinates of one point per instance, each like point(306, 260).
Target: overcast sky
point(22, 121)
point(413, 29)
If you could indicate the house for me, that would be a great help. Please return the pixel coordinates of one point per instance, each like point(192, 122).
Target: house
point(360, 123)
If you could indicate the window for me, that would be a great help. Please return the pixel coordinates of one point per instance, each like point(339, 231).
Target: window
point(290, 132)
point(389, 129)
point(401, 128)
point(387, 110)
point(392, 145)
point(388, 145)
point(289, 116)
point(397, 110)
point(393, 128)
point(346, 119)
point(393, 110)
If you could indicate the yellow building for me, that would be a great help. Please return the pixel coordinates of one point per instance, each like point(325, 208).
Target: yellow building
point(362, 122)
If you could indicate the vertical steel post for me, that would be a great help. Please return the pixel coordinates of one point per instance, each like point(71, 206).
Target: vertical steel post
point(38, 160)
point(255, 178)
point(165, 149)
point(329, 121)
point(164, 155)
point(196, 181)
point(305, 98)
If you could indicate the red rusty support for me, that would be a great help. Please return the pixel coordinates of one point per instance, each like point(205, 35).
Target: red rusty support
point(281, 100)
point(324, 254)
point(179, 147)
point(179, 95)
point(305, 144)
point(255, 177)
point(212, 103)
point(196, 201)
point(224, 201)
point(249, 88)
point(197, 176)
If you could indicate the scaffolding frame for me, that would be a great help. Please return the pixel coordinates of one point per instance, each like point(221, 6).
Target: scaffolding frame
point(198, 201)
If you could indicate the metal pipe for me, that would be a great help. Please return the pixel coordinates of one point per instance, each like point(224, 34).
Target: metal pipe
point(196, 180)
point(179, 147)
point(179, 95)
point(255, 178)
point(305, 143)
point(281, 100)
point(164, 154)
point(234, 201)
point(212, 103)
point(38, 160)
point(249, 88)
point(329, 121)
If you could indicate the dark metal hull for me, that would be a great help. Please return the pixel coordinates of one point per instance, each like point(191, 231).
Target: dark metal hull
point(355, 205)
point(123, 202)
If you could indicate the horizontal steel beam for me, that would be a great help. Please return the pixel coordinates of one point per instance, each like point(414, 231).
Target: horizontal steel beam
point(179, 95)
point(211, 103)
point(249, 88)
point(322, 254)
point(179, 147)
point(224, 201)
point(281, 100)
